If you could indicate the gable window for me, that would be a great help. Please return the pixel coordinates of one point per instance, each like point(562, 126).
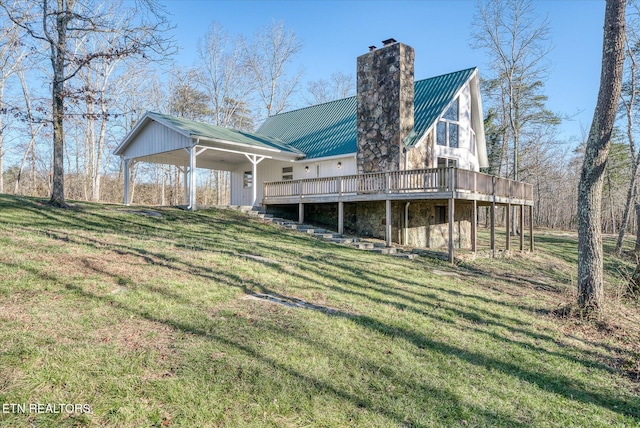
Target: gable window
point(247, 179)
point(447, 129)
point(287, 173)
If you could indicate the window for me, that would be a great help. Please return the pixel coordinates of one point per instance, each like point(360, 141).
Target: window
point(248, 179)
point(472, 148)
point(441, 215)
point(447, 129)
point(287, 173)
point(447, 163)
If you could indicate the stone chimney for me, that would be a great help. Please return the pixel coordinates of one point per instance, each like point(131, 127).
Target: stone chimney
point(385, 106)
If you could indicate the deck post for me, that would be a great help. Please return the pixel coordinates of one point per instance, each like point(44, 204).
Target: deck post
point(300, 213)
point(531, 245)
point(127, 173)
point(474, 225)
point(451, 220)
point(521, 228)
point(387, 229)
point(340, 217)
point(493, 228)
point(508, 226)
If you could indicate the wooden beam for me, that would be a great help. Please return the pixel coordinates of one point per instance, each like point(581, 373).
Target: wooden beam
point(340, 217)
point(451, 221)
point(474, 225)
point(492, 216)
point(521, 228)
point(508, 226)
point(531, 244)
point(387, 229)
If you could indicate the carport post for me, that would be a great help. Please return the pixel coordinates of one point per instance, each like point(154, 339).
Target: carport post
point(255, 160)
point(192, 178)
point(126, 181)
point(185, 183)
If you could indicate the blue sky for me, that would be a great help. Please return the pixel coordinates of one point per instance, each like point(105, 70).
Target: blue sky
point(334, 33)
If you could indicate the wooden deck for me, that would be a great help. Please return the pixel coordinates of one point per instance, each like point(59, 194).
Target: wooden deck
point(434, 183)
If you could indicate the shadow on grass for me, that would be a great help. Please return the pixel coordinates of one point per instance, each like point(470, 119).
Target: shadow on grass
point(552, 382)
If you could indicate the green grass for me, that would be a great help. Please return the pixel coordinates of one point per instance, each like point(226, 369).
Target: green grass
point(148, 321)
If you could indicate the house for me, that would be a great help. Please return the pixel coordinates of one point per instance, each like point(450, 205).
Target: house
point(399, 161)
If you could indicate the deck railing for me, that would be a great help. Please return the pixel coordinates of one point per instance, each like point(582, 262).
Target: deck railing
point(410, 181)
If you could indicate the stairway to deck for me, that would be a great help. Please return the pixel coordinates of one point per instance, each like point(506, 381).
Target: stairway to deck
point(324, 234)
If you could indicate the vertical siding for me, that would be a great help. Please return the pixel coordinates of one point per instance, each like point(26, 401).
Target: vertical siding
point(271, 170)
point(156, 138)
point(466, 159)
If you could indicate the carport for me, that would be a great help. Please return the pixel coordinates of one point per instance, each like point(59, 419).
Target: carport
point(169, 140)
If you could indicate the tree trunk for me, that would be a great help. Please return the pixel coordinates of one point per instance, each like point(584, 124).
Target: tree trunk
point(637, 207)
point(57, 59)
point(590, 263)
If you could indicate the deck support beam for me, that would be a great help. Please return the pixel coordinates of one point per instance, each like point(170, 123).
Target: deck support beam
point(452, 203)
point(521, 227)
point(474, 226)
point(508, 226)
point(300, 213)
point(492, 216)
point(340, 217)
point(531, 245)
point(387, 229)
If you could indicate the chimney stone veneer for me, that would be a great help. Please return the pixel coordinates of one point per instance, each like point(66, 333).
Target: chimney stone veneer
point(385, 107)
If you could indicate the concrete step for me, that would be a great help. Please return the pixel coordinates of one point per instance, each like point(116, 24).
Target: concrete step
point(343, 240)
point(384, 250)
point(327, 235)
point(296, 226)
point(313, 231)
point(363, 245)
point(408, 256)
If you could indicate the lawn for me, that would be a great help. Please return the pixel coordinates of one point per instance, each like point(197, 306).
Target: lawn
point(162, 321)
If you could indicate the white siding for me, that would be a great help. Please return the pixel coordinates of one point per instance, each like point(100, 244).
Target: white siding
point(156, 138)
point(466, 158)
point(271, 170)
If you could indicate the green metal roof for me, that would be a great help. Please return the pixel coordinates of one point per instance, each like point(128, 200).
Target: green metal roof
point(199, 129)
point(329, 129)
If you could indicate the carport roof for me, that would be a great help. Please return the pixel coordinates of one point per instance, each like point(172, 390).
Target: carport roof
point(192, 129)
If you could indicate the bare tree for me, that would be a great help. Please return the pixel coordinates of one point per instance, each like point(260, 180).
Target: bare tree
point(630, 109)
point(517, 44)
point(268, 57)
point(226, 78)
point(339, 85)
point(10, 57)
point(62, 25)
point(590, 263)
point(187, 99)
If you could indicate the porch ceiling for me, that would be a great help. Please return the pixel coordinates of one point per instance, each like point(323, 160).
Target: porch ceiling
point(209, 157)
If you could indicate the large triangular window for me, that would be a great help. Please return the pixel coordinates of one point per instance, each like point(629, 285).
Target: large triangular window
point(447, 130)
